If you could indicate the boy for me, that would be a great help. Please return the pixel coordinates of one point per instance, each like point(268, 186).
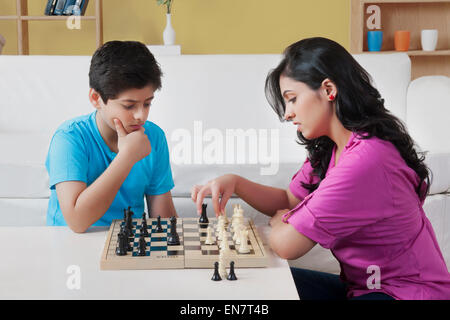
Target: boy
point(101, 163)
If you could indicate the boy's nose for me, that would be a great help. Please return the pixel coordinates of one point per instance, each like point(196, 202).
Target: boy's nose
point(139, 114)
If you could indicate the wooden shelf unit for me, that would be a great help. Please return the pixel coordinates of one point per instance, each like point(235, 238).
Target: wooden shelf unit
point(22, 19)
point(411, 15)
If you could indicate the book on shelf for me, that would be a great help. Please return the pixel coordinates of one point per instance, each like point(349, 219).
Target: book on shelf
point(50, 7)
point(59, 7)
point(66, 7)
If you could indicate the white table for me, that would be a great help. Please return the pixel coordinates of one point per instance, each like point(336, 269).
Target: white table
point(35, 263)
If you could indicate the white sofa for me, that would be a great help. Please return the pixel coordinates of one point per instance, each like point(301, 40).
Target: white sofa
point(217, 120)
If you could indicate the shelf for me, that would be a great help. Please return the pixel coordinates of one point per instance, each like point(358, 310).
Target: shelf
point(414, 53)
point(402, 1)
point(9, 17)
point(44, 18)
point(50, 18)
point(22, 18)
point(411, 15)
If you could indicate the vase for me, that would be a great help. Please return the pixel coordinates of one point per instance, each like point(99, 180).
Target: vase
point(169, 32)
point(429, 39)
point(374, 40)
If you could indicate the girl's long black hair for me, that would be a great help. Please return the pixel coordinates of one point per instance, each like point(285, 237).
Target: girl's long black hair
point(359, 105)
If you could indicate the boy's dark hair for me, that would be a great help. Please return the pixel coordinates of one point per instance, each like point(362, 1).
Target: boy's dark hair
point(121, 65)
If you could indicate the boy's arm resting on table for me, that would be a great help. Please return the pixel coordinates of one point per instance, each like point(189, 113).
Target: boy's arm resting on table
point(82, 206)
point(286, 241)
point(161, 205)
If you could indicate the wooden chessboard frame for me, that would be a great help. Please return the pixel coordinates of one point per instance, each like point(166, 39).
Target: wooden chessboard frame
point(187, 256)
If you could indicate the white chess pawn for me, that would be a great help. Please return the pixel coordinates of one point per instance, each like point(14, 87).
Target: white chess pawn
point(243, 248)
point(209, 239)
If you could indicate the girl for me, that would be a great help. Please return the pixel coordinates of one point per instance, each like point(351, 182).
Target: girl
point(360, 191)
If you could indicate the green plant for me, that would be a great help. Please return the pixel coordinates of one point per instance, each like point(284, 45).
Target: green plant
point(167, 3)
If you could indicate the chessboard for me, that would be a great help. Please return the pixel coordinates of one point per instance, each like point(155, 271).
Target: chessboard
point(191, 252)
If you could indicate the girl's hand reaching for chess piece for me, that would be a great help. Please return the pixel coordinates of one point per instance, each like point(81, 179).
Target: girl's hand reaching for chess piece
point(265, 199)
point(222, 187)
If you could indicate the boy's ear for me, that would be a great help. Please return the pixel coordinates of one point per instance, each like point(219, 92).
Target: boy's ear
point(95, 99)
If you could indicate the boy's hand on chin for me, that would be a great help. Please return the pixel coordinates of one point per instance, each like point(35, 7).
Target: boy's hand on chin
point(135, 145)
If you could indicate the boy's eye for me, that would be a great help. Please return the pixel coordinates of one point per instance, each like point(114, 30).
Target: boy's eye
point(146, 105)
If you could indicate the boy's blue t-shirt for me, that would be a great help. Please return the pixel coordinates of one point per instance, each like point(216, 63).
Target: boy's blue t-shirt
point(78, 152)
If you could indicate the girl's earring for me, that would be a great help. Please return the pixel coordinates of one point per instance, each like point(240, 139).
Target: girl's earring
point(331, 97)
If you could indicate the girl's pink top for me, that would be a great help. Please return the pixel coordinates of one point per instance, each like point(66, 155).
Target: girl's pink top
point(366, 210)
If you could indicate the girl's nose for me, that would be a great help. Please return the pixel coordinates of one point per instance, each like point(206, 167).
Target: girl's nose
point(288, 115)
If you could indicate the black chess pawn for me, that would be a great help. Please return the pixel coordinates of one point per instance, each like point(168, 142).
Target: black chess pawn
point(144, 226)
point(216, 275)
point(121, 249)
point(203, 217)
point(142, 246)
point(232, 275)
point(159, 228)
point(173, 238)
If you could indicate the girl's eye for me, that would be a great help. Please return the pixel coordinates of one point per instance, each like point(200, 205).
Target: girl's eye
point(146, 105)
point(293, 100)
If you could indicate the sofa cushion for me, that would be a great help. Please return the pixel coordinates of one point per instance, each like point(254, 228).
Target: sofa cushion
point(439, 164)
point(428, 114)
point(391, 75)
point(22, 165)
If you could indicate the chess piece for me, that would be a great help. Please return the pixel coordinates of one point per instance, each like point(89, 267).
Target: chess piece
point(144, 226)
point(224, 217)
point(121, 250)
point(238, 217)
point(222, 268)
point(128, 219)
point(225, 246)
point(142, 245)
point(173, 238)
point(222, 233)
point(236, 235)
point(203, 217)
point(220, 225)
point(243, 248)
point(159, 228)
point(127, 235)
point(216, 275)
point(232, 275)
point(209, 239)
